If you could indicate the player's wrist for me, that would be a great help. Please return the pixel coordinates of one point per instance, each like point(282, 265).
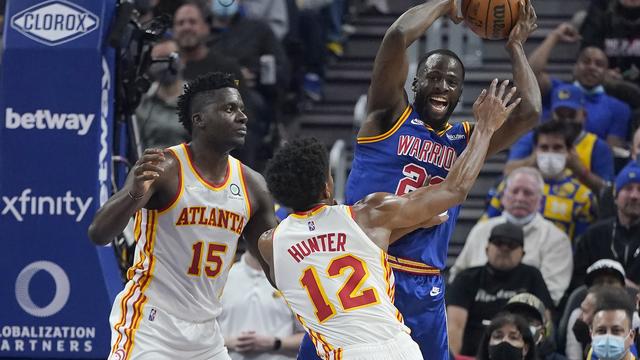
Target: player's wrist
point(133, 196)
point(277, 343)
point(514, 45)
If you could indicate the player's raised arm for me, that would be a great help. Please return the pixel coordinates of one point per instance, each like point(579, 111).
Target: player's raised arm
point(146, 176)
point(526, 116)
point(387, 100)
point(381, 213)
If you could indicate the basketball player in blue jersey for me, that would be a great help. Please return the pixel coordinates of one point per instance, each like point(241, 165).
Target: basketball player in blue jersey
point(401, 145)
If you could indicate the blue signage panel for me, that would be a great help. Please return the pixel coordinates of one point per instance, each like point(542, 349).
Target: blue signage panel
point(56, 106)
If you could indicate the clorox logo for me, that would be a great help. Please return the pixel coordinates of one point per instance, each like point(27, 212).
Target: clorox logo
point(54, 22)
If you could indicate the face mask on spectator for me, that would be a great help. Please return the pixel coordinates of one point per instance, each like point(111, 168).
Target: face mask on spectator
point(581, 331)
point(551, 164)
point(505, 351)
point(222, 8)
point(162, 73)
point(520, 221)
point(608, 347)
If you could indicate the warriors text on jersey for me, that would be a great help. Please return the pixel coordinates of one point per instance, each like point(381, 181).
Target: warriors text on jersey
point(184, 252)
point(335, 279)
point(400, 161)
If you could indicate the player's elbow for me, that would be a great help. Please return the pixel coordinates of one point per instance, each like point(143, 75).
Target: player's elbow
point(532, 115)
point(95, 235)
point(395, 34)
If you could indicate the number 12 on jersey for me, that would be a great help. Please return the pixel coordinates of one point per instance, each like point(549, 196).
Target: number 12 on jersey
point(350, 295)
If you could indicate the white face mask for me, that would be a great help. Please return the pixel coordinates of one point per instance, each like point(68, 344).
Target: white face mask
point(551, 164)
point(520, 221)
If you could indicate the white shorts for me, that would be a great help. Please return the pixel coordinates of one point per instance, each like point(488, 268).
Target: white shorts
point(402, 347)
point(159, 336)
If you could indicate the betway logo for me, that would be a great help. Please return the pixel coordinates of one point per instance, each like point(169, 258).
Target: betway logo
point(28, 204)
point(45, 119)
point(54, 22)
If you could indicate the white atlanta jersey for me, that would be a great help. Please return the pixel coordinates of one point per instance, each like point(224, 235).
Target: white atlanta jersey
point(336, 280)
point(184, 252)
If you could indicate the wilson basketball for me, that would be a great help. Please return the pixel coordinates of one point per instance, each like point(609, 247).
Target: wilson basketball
point(491, 19)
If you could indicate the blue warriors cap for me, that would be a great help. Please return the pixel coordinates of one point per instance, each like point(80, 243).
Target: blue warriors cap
point(630, 174)
point(567, 95)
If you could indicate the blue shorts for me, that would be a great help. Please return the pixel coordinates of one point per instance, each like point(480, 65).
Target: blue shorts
point(420, 299)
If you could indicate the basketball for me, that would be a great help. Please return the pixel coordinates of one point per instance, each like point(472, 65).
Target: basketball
point(491, 19)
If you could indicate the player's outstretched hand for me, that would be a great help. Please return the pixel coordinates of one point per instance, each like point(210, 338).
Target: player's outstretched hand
point(492, 108)
point(526, 23)
point(146, 170)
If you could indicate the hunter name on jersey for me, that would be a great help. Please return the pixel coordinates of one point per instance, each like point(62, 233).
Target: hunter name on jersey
point(330, 242)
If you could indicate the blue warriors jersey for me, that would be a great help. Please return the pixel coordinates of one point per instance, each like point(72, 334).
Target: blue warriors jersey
point(400, 161)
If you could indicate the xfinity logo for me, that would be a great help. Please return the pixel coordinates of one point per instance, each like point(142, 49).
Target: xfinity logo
point(45, 119)
point(54, 22)
point(29, 204)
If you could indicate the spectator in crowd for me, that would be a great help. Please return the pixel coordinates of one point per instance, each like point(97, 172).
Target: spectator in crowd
point(157, 114)
point(532, 309)
point(546, 247)
point(590, 159)
point(191, 31)
point(617, 238)
point(477, 294)
point(256, 322)
point(272, 12)
point(614, 27)
point(566, 202)
point(612, 334)
point(247, 41)
point(603, 273)
point(507, 338)
point(607, 116)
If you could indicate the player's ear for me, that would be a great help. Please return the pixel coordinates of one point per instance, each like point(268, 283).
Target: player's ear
point(326, 193)
point(196, 120)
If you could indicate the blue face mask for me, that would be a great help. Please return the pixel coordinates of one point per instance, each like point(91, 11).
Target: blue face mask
point(225, 8)
point(608, 347)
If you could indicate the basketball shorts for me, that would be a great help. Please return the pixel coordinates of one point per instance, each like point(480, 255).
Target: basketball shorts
point(153, 334)
point(420, 299)
point(402, 347)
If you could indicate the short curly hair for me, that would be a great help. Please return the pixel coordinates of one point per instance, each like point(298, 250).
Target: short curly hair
point(297, 173)
point(188, 102)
